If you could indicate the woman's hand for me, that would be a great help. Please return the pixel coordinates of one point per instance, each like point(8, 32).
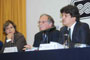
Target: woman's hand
point(10, 36)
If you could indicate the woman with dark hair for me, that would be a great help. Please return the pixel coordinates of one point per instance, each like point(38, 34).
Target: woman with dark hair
point(13, 37)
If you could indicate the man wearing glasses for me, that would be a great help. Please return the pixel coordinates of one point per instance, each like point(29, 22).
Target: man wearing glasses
point(47, 32)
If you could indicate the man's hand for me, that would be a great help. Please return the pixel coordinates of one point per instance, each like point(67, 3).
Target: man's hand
point(27, 47)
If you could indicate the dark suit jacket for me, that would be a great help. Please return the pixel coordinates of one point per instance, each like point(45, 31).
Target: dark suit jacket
point(53, 35)
point(19, 41)
point(80, 34)
point(89, 38)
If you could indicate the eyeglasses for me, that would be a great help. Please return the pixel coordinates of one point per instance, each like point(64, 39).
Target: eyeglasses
point(42, 22)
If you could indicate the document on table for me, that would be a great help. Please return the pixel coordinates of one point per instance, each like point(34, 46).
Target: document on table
point(51, 45)
point(10, 49)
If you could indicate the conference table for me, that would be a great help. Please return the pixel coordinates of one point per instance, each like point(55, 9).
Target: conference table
point(57, 54)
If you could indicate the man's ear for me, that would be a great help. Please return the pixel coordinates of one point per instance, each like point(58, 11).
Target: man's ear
point(74, 18)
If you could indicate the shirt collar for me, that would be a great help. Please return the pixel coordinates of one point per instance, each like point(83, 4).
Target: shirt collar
point(72, 27)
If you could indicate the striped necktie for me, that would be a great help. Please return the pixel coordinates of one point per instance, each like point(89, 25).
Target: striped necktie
point(69, 38)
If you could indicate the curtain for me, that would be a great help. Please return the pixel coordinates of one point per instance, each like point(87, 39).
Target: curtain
point(14, 10)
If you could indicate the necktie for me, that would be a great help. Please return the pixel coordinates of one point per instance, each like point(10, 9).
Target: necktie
point(69, 33)
point(69, 38)
point(44, 38)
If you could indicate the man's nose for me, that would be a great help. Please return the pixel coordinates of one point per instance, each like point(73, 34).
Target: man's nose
point(9, 29)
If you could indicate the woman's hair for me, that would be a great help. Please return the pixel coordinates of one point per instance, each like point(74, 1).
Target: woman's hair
point(7, 24)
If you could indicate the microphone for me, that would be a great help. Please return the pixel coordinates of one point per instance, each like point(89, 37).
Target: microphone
point(66, 34)
point(66, 37)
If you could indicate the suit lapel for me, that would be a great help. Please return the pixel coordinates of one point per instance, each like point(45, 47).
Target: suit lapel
point(75, 31)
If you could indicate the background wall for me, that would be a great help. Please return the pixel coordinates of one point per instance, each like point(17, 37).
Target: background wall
point(34, 8)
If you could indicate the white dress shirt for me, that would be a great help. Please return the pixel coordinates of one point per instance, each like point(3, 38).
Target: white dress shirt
point(72, 28)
